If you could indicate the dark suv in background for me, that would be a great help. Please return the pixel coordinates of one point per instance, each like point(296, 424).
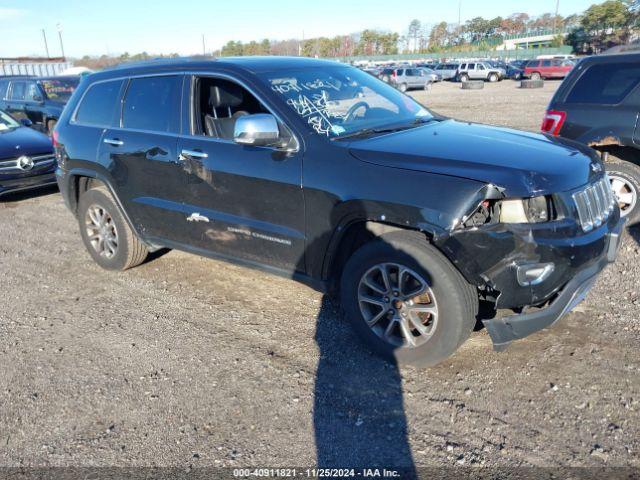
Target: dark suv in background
point(40, 100)
point(598, 104)
point(322, 173)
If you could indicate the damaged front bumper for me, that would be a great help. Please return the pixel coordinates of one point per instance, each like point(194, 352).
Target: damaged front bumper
point(489, 258)
point(505, 330)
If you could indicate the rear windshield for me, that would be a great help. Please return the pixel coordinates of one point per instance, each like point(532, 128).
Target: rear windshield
point(607, 83)
point(60, 89)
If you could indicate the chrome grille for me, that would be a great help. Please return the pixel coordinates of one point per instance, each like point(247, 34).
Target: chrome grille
point(39, 161)
point(595, 204)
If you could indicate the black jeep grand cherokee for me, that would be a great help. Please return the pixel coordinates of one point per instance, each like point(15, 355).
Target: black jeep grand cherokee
point(320, 172)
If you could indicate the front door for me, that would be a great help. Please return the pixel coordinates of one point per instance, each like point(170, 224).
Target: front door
point(245, 202)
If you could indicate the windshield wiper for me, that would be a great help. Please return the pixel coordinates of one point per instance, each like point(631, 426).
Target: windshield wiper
point(365, 132)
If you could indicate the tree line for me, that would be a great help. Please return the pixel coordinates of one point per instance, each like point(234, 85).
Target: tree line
point(601, 26)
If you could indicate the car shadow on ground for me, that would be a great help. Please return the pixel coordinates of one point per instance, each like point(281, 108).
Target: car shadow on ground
point(359, 418)
point(634, 232)
point(20, 196)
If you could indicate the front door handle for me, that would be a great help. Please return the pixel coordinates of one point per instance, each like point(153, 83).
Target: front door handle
point(113, 141)
point(187, 154)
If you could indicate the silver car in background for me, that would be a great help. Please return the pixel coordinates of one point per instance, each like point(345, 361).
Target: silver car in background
point(407, 78)
point(447, 71)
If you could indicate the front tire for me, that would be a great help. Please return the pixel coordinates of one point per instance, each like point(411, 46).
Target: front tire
point(403, 87)
point(464, 78)
point(406, 301)
point(106, 235)
point(625, 183)
point(536, 76)
point(493, 78)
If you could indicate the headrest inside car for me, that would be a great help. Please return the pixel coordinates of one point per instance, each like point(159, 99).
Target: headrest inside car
point(225, 96)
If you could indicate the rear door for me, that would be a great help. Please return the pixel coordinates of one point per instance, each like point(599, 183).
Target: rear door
point(142, 158)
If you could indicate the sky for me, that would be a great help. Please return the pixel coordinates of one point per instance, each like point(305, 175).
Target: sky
point(91, 27)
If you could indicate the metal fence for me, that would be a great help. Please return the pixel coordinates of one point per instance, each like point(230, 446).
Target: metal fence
point(44, 68)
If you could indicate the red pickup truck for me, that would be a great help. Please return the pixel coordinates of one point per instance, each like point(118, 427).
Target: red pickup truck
point(548, 68)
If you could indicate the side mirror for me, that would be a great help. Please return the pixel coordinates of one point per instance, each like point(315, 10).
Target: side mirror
point(260, 130)
point(38, 98)
point(26, 122)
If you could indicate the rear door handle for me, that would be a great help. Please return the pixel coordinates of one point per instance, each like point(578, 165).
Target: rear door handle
point(187, 154)
point(113, 141)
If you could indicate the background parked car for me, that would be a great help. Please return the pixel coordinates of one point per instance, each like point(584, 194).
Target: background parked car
point(514, 73)
point(548, 68)
point(26, 156)
point(430, 74)
point(478, 71)
point(40, 99)
point(597, 104)
point(447, 71)
point(409, 78)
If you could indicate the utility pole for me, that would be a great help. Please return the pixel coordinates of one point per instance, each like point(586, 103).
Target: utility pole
point(555, 19)
point(46, 47)
point(204, 50)
point(59, 26)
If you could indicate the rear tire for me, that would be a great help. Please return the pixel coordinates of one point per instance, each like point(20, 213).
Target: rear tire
point(625, 181)
point(106, 235)
point(439, 334)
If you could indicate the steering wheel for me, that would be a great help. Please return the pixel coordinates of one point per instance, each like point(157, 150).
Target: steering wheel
point(352, 110)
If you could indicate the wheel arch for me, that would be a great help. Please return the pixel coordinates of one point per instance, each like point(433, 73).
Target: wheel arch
point(352, 235)
point(81, 180)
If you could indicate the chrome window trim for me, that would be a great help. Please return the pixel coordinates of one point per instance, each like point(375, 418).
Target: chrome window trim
point(192, 74)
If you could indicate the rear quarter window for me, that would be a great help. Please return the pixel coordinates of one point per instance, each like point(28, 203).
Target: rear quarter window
point(99, 104)
point(153, 104)
point(3, 88)
point(607, 83)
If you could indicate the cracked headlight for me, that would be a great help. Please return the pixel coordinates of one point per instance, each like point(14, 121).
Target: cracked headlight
point(526, 210)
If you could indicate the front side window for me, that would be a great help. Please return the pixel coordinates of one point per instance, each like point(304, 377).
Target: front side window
point(60, 90)
point(7, 122)
point(32, 92)
point(153, 104)
point(100, 104)
point(338, 101)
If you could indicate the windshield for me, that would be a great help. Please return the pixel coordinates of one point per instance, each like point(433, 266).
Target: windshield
point(59, 90)
point(7, 122)
point(339, 101)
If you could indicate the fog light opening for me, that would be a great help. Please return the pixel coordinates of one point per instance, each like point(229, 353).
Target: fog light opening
point(534, 274)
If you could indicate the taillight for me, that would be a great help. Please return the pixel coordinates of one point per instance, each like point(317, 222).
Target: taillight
point(394, 74)
point(54, 138)
point(553, 121)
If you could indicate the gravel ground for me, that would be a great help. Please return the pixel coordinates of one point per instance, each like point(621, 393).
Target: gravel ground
point(186, 361)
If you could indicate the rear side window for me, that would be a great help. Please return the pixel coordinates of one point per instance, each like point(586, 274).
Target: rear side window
point(100, 104)
point(153, 103)
point(607, 83)
point(17, 90)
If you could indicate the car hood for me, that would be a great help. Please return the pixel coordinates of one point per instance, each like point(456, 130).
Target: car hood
point(23, 141)
point(523, 164)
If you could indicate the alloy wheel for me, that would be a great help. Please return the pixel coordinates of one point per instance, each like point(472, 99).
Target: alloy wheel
point(398, 305)
point(625, 193)
point(101, 231)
